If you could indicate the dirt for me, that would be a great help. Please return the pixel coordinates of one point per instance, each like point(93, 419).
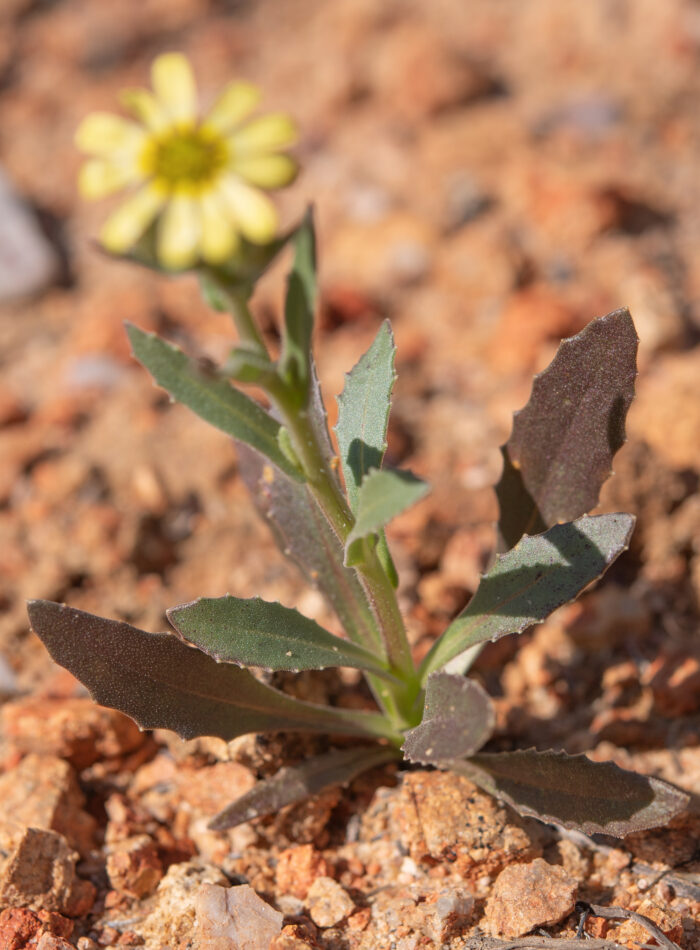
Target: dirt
point(490, 176)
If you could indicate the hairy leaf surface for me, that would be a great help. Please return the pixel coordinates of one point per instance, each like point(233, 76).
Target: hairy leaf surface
point(562, 445)
point(458, 719)
point(258, 633)
point(593, 797)
point(303, 534)
point(382, 496)
point(531, 580)
point(363, 412)
point(298, 782)
point(162, 683)
point(214, 400)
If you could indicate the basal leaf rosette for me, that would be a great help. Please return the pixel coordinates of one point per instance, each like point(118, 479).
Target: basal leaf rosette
point(201, 180)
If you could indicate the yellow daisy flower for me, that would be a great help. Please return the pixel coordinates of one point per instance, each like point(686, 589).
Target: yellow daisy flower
point(200, 177)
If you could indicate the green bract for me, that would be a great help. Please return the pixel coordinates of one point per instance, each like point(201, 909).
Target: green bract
point(554, 464)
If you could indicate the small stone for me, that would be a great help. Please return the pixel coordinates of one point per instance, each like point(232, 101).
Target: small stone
point(526, 896)
point(49, 941)
point(28, 263)
point(43, 792)
point(297, 869)
point(451, 911)
point(328, 902)
point(73, 729)
point(39, 873)
point(235, 918)
point(440, 816)
point(133, 866)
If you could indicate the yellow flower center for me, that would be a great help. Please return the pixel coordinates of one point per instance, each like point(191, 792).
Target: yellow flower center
point(183, 157)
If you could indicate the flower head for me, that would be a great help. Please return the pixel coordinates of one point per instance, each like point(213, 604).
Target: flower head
point(200, 178)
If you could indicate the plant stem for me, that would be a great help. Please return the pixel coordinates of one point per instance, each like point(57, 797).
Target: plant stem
point(325, 487)
point(236, 301)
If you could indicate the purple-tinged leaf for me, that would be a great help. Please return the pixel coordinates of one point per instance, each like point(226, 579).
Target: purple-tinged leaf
point(304, 534)
point(255, 632)
point(458, 719)
point(574, 791)
point(531, 580)
point(562, 445)
point(298, 782)
point(162, 683)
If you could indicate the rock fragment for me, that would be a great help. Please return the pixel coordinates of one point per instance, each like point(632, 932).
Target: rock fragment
point(39, 874)
point(439, 816)
point(526, 896)
point(133, 866)
point(235, 918)
point(328, 902)
point(73, 729)
point(43, 792)
point(297, 869)
point(28, 263)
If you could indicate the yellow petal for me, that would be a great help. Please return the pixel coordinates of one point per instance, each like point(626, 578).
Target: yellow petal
point(146, 108)
point(102, 133)
point(98, 178)
point(219, 238)
point(234, 104)
point(179, 233)
point(267, 171)
point(251, 210)
point(173, 84)
point(127, 224)
point(266, 134)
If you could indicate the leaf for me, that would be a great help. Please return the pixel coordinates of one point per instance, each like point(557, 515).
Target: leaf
point(531, 580)
point(363, 412)
point(458, 718)
point(562, 445)
point(382, 496)
point(298, 782)
point(257, 633)
point(299, 309)
point(162, 683)
point(211, 398)
point(303, 534)
point(572, 790)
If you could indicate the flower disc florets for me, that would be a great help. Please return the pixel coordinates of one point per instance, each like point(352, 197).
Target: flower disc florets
point(200, 178)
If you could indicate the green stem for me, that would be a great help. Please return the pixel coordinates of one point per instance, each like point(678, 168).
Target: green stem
point(325, 487)
point(235, 299)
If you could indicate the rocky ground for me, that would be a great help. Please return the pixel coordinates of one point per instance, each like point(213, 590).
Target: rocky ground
point(490, 176)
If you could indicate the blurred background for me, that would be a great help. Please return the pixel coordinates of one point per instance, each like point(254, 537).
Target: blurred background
point(489, 174)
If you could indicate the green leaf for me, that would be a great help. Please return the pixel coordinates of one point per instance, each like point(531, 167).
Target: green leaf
point(257, 633)
point(299, 310)
point(363, 412)
point(211, 398)
point(593, 797)
point(458, 719)
point(527, 583)
point(162, 683)
point(382, 496)
point(562, 445)
point(298, 782)
point(303, 534)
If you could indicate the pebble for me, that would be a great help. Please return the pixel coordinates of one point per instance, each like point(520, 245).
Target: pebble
point(235, 918)
point(297, 869)
point(39, 873)
point(526, 896)
point(133, 866)
point(43, 792)
point(74, 729)
point(328, 902)
point(439, 816)
point(28, 263)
